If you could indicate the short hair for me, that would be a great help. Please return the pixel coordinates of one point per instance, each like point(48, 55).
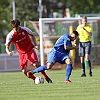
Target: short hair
point(84, 17)
point(15, 23)
point(76, 33)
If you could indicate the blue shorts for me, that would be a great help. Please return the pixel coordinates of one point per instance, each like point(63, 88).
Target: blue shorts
point(56, 56)
point(84, 48)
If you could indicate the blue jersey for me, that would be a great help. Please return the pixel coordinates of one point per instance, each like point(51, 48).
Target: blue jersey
point(58, 52)
point(63, 40)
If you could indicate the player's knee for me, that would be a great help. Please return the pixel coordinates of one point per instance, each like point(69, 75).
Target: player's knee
point(49, 66)
point(24, 71)
point(36, 64)
point(68, 61)
point(87, 59)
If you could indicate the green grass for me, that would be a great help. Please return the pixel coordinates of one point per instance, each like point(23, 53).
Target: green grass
point(15, 86)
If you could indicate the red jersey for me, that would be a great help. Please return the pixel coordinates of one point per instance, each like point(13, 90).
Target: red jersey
point(21, 39)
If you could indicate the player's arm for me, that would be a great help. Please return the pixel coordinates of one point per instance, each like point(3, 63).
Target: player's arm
point(74, 43)
point(34, 41)
point(8, 42)
point(32, 35)
point(89, 33)
point(70, 47)
point(10, 53)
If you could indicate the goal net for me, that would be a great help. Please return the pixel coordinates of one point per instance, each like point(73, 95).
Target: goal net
point(50, 29)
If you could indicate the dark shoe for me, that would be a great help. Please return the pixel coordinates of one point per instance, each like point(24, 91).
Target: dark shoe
point(48, 80)
point(90, 74)
point(83, 75)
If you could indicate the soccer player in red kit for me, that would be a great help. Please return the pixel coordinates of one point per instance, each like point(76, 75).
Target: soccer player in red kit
point(20, 37)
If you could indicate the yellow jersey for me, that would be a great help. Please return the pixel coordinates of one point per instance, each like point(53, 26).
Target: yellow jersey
point(83, 36)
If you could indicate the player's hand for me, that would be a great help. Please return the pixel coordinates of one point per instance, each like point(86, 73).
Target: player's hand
point(37, 47)
point(74, 43)
point(10, 53)
point(83, 28)
point(76, 47)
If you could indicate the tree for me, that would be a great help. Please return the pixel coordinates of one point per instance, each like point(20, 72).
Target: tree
point(26, 10)
point(4, 18)
point(83, 6)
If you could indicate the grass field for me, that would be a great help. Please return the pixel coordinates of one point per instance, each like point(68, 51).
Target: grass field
point(15, 86)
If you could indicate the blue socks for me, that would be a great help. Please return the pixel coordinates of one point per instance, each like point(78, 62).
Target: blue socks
point(68, 71)
point(43, 68)
point(39, 69)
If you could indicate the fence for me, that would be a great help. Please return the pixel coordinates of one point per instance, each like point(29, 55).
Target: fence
point(9, 63)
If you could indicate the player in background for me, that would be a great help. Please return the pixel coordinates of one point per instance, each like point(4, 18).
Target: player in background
point(85, 33)
point(20, 37)
point(60, 53)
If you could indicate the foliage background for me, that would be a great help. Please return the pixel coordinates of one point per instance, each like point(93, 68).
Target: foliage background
point(27, 10)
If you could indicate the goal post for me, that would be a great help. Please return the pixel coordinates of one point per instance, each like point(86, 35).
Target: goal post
point(58, 26)
point(50, 20)
point(41, 42)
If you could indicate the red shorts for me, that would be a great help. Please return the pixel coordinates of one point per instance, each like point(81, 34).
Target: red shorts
point(30, 56)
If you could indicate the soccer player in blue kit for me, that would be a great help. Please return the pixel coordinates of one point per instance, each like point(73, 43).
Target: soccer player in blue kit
point(60, 53)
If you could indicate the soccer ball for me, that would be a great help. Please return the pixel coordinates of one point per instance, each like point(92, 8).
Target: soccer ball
point(39, 80)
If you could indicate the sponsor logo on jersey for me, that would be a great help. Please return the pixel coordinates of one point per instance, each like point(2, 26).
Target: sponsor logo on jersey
point(21, 39)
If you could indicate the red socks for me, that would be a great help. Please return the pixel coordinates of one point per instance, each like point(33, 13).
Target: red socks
point(30, 75)
point(44, 74)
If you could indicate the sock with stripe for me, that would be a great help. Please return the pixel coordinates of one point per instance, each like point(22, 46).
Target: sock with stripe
point(30, 76)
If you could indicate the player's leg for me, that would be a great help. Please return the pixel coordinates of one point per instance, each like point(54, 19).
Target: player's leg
point(45, 75)
point(42, 68)
point(90, 68)
point(23, 65)
point(83, 66)
point(89, 64)
point(33, 58)
point(42, 72)
point(87, 54)
point(82, 55)
point(32, 67)
point(68, 69)
point(31, 76)
point(50, 62)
